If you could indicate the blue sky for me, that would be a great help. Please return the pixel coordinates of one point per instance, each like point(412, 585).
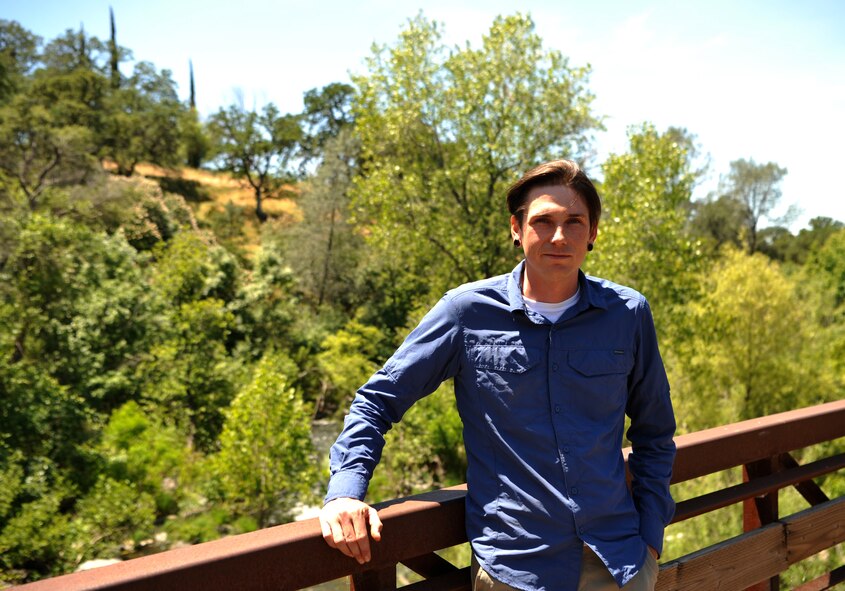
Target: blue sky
point(752, 79)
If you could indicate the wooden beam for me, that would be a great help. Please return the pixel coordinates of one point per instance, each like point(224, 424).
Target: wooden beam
point(724, 497)
point(720, 448)
point(758, 555)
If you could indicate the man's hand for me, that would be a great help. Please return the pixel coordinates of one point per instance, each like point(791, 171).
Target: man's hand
point(344, 524)
point(653, 552)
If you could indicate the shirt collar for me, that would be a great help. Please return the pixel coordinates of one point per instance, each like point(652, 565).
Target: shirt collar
point(591, 295)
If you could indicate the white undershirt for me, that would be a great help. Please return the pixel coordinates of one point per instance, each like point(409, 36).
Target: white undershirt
point(552, 311)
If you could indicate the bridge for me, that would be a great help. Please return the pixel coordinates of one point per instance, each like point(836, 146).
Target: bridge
point(294, 555)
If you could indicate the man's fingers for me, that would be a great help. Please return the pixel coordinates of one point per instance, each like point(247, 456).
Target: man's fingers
point(361, 541)
point(338, 540)
point(327, 532)
point(375, 524)
point(344, 523)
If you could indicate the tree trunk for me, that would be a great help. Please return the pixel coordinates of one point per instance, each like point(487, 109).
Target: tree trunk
point(259, 210)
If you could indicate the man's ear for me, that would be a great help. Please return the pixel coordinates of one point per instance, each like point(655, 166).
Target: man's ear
point(594, 232)
point(516, 230)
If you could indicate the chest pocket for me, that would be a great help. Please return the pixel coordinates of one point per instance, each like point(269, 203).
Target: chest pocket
point(510, 384)
point(507, 358)
point(600, 363)
point(600, 381)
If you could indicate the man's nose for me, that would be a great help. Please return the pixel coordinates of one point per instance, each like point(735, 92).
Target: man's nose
point(559, 235)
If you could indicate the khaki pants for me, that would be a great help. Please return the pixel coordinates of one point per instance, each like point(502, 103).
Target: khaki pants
point(594, 576)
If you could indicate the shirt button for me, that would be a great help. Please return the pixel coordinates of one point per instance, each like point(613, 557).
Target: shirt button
point(557, 410)
point(566, 450)
point(580, 530)
point(574, 491)
point(554, 366)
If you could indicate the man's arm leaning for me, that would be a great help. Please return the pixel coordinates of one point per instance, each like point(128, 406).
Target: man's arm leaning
point(428, 356)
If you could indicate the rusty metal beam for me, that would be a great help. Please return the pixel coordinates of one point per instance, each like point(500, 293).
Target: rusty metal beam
point(290, 556)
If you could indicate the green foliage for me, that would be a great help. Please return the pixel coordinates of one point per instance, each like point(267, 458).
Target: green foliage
point(77, 294)
point(755, 348)
point(718, 221)
point(326, 269)
point(642, 240)
point(140, 448)
point(144, 120)
point(780, 244)
point(18, 54)
point(41, 418)
point(828, 264)
point(38, 151)
point(110, 518)
point(444, 133)
point(266, 460)
point(37, 539)
point(328, 111)
point(196, 145)
point(189, 375)
point(348, 358)
point(424, 451)
point(190, 268)
point(266, 306)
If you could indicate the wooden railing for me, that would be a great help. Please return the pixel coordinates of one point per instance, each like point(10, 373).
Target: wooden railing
point(294, 556)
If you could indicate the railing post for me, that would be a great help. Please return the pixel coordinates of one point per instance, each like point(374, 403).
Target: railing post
point(761, 510)
point(374, 580)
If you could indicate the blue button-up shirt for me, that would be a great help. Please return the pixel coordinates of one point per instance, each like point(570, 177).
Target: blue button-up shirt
point(543, 407)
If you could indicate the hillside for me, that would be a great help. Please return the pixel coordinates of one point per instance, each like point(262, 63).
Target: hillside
point(222, 202)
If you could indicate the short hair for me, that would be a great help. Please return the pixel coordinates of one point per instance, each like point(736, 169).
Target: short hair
point(555, 173)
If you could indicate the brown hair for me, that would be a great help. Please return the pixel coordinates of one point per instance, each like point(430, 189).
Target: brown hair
point(555, 173)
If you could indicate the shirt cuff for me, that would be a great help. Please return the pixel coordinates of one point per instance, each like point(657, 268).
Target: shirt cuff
point(651, 530)
point(346, 485)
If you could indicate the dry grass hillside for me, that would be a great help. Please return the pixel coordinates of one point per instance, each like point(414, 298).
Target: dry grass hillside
point(224, 203)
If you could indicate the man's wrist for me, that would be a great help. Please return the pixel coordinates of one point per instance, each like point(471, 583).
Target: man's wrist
point(346, 485)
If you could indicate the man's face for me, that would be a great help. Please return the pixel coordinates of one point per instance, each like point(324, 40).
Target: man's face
point(555, 232)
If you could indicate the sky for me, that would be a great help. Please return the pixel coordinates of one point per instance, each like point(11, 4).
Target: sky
point(756, 79)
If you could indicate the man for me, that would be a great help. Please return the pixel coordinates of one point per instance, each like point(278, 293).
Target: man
point(546, 364)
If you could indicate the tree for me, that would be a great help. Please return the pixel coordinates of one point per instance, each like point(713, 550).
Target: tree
point(39, 152)
point(717, 220)
point(443, 134)
point(75, 294)
point(192, 101)
point(144, 120)
point(328, 110)
point(328, 267)
point(266, 461)
point(74, 50)
point(642, 240)
point(257, 146)
point(756, 347)
point(780, 244)
point(114, 53)
point(756, 187)
point(19, 51)
point(347, 358)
